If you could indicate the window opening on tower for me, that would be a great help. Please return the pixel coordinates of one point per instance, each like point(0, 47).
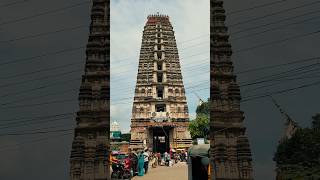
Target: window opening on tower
point(159, 66)
point(160, 92)
point(159, 55)
point(161, 108)
point(160, 77)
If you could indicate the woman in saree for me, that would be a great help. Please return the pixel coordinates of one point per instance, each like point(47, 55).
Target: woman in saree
point(140, 164)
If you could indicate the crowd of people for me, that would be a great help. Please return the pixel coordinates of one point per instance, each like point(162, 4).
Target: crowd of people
point(134, 163)
point(141, 161)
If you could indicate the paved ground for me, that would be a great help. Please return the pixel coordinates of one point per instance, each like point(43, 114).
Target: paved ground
point(178, 171)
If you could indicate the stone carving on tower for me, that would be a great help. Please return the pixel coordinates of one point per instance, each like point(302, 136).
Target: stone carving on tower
point(89, 158)
point(160, 116)
point(230, 154)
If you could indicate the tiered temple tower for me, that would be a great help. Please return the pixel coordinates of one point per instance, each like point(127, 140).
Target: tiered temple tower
point(230, 151)
point(89, 158)
point(160, 113)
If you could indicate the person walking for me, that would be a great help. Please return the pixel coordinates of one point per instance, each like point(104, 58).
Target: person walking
point(159, 158)
point(186, 155)
point(146, 160)
point(140, 164)
point(166, 158)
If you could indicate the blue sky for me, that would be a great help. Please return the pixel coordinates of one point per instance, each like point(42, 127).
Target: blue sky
point(191, 23)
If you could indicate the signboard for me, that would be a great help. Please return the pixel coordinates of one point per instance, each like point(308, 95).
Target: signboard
point(115, 135)
point(200, 140)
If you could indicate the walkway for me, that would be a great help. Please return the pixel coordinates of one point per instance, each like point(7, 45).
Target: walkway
point(178, 171)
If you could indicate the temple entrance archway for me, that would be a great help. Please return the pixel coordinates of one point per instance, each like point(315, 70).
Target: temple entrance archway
point(161, 141)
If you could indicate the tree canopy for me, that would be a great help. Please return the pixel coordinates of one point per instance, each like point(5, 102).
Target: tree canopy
point(302, 151)
point(199, 127)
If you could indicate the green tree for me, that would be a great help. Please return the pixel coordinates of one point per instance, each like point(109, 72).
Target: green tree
point(301, 152)
point(199, 127)
point(316, 121)
point(203, 109)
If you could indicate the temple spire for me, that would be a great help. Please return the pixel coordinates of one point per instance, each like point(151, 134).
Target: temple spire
point(290, 126)
point(230, 150)
point(89, 159)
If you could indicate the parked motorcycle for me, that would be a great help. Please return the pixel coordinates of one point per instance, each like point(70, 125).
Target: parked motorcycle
point(120, 171)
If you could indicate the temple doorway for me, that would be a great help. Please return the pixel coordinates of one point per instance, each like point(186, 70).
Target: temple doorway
point(161, 141)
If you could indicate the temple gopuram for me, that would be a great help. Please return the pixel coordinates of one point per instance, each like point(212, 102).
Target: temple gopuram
point(89, 159)
point(230, 154)
point(160, 116)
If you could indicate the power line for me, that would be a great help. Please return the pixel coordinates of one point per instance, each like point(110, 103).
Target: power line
point(250, 98)
point(262, 80)
point(43, 34)
point(127, 90)
point(255, 97)
point(40, 104)
point(256, 7)
point(277, 41)
point(38, 97)
point(41, 56)
point(38, 117)
point(39, 87)
point(189, 87)
point(13, 3)
point(34, 141)
point(274, 22)
point(24, 123)
point(281, 82)
point(44, 13)
point(273, 14)
point(281, 77)
point(36, 132)
point(40, 78)
point(282, 91)
point(117, 76)
point(275, 77)
point(276, 28)
point(250, 70)
point(42, 70)
point(186, 93)
point(293, 70)
point(41, 128)
point(278, 65)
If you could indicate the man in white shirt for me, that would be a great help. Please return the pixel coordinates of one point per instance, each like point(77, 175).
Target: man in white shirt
point(146, 160)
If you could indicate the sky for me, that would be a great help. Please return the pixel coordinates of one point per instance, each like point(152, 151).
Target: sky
point(38, 157)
